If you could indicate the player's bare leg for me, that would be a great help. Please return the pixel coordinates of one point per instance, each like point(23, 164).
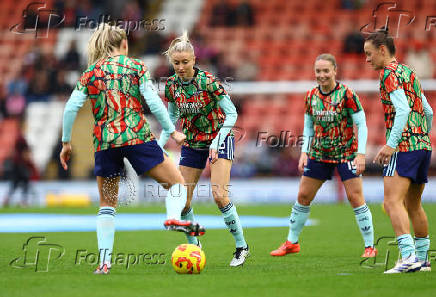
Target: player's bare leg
point(300, 212)
point(353, 189)
point(220, 179)
point(395, 191)
point(420, 224)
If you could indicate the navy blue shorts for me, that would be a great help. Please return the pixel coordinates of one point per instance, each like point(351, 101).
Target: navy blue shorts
point(413, 165)
point(324, 171)
point(196, 158)
point(143, 157)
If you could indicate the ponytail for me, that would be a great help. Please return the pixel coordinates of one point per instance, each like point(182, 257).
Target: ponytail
point(180, 44)
point(103, 41)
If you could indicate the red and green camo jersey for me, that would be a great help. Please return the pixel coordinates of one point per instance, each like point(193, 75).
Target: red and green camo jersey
point(415, 135)
point(112, 85)
point(333, 140)
point(197, 101)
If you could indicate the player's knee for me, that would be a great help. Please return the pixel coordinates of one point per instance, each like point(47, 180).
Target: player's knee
point(388, 206)
point(304, 198)
point(219, 196)
point(178, 179)
point(355, 197)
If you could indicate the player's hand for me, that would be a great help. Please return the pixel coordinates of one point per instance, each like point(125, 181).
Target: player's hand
point(302, 162)
point(359, 162)
point(384, 155)
point(65, 154)
point(213, 155)
point(178, 137)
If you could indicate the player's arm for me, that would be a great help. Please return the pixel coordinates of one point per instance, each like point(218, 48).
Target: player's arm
point(229, 109)
point(362, 135)
point(362, 131)
point(402, 110)
point(308, 133)
point(428, 111)
point(76, 101)
point(159, 111)
point(173, 112)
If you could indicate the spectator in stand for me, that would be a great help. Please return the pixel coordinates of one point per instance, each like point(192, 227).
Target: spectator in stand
point(418, 57)
point(222, 15)
point(39, 88)
point(244, 14)
point(21, 170)
point(71, 60)
point(353, 43)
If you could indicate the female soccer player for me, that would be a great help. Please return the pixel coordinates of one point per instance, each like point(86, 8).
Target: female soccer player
point(407, 153)
point(207, 115)
point(329, 142)
point(114, 83)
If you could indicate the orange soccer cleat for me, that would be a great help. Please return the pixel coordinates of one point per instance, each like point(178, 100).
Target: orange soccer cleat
point(286, 248)
point(370, 252)
point(191, 228)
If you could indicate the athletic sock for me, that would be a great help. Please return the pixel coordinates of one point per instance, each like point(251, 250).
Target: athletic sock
point(299, 215)
point(406, 246)
point(422, 245)
point(189, 216)
point(231, 219)
point(105, 233)
point(175, 201)
point(364, 221)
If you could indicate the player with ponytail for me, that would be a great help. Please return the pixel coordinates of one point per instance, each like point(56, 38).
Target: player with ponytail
point(407, 153)
point(206, 114)
point(114, 83)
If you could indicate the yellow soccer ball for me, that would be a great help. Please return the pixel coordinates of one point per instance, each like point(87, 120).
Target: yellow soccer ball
point(188, 259)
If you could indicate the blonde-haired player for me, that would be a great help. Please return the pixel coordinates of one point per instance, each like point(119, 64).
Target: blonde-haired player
point(114, 83)
point(206, 114)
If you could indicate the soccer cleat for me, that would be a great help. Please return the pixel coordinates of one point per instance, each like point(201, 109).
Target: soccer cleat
point(239, 256)
point(191, 228)
point(102, 269)
point(405, 266)
point(425, 266)
point(198, 243)
point(286, 248)
point(370, 252)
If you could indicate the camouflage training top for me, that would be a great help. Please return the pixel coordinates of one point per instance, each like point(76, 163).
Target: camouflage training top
point(333, 140)
point(197, 101)
point(415, 134)
point(112, 84)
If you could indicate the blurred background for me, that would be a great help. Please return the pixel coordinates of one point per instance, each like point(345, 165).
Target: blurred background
point(262, 51)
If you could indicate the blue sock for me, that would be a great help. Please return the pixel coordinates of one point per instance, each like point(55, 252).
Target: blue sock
point(422, 245)
point(105, 233)
point(189, 216)
point(231, 219)
point(175, 201)
point(364, 221)
point(406, 246)
point(298, 218)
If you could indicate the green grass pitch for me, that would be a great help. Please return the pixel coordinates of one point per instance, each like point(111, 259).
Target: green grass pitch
point(328, 265)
